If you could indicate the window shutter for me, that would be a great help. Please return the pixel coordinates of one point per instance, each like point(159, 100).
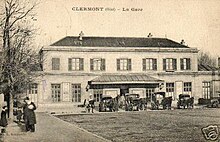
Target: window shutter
point(174, 64)
point(91, 64)
point(188, 64)
point(55, 63)
point(154, 64)
point(81, 64)
point(102, 64)
point(144, 64)
point(181, 64)
point(129, 64)
point(164, 64)
point(58, 64)
point(70, 64)
point(118, 64)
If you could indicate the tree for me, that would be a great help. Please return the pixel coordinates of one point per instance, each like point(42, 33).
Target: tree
point(18, 59)
point(204, 58)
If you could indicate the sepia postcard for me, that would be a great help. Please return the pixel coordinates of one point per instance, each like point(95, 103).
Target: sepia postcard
point(110, 70)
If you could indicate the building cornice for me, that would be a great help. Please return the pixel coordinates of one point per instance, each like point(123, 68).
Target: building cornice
point(120, 49)
point(151, 73)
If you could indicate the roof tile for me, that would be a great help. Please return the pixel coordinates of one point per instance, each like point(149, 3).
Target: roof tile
point(117, 42)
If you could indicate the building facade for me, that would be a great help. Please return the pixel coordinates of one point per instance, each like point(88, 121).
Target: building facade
point(79, 68)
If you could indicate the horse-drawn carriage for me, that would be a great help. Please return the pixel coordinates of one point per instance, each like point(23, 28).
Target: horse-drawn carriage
point(159, 100)
point(106, 104)
point(185, 101)
point(133, 102)
point(214, 103)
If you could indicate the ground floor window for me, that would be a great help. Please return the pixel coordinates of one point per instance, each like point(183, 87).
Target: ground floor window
point(56, 92)
point(206, 89)
point(33, 88)
point(97, 94)
point(149, 92)
point(32, 92)
point(76, 92)
point(187, 88)
point(170, 89)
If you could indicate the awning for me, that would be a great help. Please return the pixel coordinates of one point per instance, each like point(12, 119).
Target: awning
point(125, 79)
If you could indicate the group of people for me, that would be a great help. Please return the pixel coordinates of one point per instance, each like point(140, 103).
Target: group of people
point(27, 111)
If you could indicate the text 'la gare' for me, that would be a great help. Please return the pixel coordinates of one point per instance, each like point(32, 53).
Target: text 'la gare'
point(132, 9)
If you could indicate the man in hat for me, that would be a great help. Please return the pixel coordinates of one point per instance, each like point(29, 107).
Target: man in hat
point(29, 115)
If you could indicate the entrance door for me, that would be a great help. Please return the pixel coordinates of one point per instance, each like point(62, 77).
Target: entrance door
point(178, 89)
point(123, 90)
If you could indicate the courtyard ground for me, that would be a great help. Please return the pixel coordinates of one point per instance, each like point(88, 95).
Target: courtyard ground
point(49, 129)
point(162, 125)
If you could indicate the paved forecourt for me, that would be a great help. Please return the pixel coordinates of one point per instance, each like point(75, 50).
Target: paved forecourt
point(49, 128)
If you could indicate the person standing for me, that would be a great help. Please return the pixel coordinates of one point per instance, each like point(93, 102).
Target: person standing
point(29, 115)
point(3, 120)
point(19, 114)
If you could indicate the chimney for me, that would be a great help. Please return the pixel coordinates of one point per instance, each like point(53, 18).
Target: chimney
point(149, 35)
point(81, 34)
point(182, 42)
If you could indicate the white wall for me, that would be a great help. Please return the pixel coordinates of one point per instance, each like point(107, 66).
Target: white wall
point(111, 57)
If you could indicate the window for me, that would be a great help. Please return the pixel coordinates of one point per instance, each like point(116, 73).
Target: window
point(97, 94)
point(33, 88)
point(55, 63)
point(169, 64)
point(187, 88)
point(97, 64)
point(123, 64)
point(56, 91)
point(206, 89)
point(149, 64)
point(76, 64)
point(76, 92)
point(170, 89)
point(149, 92)
point(185, 64)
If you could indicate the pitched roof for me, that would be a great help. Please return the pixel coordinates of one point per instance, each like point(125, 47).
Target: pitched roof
point(117, 42)
point(128, 78)
point(202, 67)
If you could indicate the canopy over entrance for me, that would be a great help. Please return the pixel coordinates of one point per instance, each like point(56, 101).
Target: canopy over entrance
point(125, 79)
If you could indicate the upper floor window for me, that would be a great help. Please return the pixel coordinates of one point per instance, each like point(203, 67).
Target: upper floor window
point(123, 64)
point(149, 64)
point(169, 64)
point(97, 64)
point(76, 64)
point(185, 64)
point(55, 63)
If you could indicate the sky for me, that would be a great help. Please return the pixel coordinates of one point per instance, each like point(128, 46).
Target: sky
point(195, 21)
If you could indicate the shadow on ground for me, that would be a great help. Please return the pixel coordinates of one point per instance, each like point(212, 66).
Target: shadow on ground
point(21, 125)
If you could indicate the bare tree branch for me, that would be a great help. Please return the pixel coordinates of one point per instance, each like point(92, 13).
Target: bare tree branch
point(19, 61)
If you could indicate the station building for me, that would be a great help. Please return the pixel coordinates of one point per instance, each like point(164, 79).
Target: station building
point(76, 68)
